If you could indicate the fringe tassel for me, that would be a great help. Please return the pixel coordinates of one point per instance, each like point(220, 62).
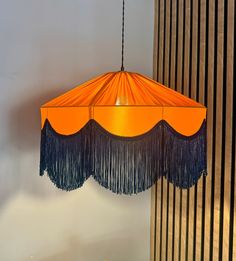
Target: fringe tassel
point(127, 165)
point(66, 159)
point(123, 165)
point(184, 157)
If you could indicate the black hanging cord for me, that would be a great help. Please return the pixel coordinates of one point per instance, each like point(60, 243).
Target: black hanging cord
point(123, 36)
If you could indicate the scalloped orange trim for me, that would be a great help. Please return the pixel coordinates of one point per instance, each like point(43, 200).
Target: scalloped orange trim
point(124, 120)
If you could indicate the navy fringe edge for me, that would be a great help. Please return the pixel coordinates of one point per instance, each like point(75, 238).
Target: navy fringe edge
point(125, 165)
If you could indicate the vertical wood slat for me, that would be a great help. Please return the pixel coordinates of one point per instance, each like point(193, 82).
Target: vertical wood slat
point(160, 68)
point(180, 87)
point(229, 126)
point(176, 85)
point(161, 57)
point(158, 221)
point(167, 43)
point(201, 99)
point(179, 55)
point(183, 226)
point(186, 80)
point(171, 81)
point(196, 53)
point(153, 223)
point(210, 94)
point(173, 43)
point(218, 125)
point(176, 223)
point(155, 39)
point(190, 224)
point(173, 61)
point(186, 64)
point(164, 220)
point(170, 223)
point(234, 196)
point(233, 167)
point(194, 48)
point(185, 91)
point(193, 94)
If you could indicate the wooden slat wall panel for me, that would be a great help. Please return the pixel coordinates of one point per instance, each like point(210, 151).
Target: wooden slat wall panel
point(194, 53)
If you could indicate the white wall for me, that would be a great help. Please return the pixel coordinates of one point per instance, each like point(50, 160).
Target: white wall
point(46, 48)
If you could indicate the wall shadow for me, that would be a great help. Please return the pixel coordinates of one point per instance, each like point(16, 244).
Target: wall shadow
point(24, 128)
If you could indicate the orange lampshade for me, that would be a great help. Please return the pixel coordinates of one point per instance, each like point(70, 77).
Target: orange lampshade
point(126, 130)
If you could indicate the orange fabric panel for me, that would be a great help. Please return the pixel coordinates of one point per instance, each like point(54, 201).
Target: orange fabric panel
point(127, 121)
point(122, 88)
point(43, 116)
point(81, 95)
point(162, 95)
point(67, 120)
point(186, 121)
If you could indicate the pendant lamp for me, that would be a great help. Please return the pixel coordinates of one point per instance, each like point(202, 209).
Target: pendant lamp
point(126, 131)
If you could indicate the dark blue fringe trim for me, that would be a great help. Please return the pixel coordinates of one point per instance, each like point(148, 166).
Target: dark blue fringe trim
point(125, 165)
